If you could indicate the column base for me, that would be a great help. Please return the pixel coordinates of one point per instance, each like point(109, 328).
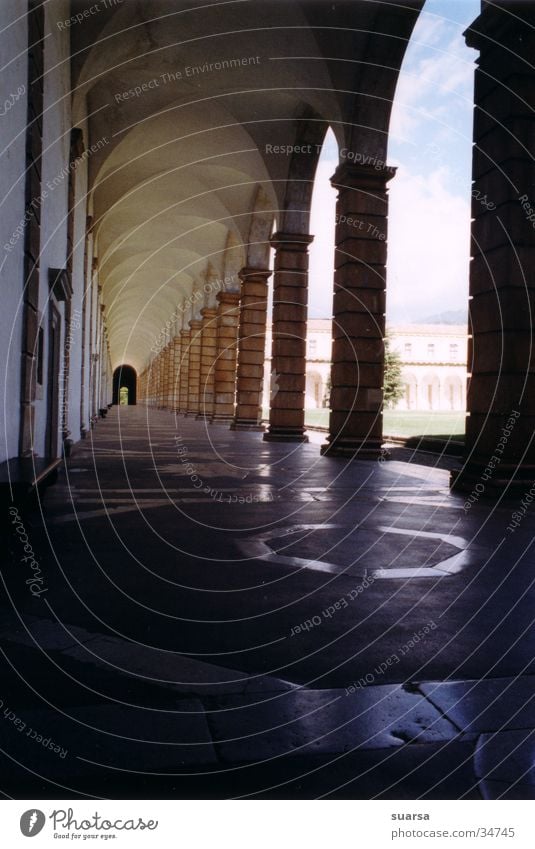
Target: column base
point(221, 418)
point(514, 479)
point(281, 435)
point(369, 449)
point(244, 424)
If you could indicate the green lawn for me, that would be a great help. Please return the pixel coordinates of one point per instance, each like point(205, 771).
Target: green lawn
point(418, 423)
point(398, 423)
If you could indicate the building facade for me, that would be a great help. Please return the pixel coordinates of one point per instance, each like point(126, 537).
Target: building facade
point(434, 370)
point(433, 361)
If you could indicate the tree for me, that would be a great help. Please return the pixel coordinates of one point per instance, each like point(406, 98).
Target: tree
point(393, 385)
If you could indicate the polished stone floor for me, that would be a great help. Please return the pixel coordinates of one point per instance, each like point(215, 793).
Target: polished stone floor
point(225, 617)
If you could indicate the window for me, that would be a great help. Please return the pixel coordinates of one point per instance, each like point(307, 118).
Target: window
point(312, 347)
point(454, 352)
point(431, 350)
point(407, 349)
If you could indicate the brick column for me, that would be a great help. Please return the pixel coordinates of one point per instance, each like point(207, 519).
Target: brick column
point(356, 420)
point(251, 348)
point(175, 383)
point(288, 358)
point(158, 379)
point(194, 366)
point(184, 371)
point(500, 426)
point(228, 311)
point(161, 378)
point(208, 361)
point(166, 355)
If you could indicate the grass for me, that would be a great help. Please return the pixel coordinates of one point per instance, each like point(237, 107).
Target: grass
point(400, 423)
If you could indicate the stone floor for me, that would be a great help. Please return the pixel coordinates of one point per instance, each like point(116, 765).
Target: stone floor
point(224, 617)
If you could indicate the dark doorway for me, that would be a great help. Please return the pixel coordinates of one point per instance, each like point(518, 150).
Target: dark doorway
point(124, 377)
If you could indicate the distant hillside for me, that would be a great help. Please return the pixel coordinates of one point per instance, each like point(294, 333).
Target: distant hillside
point(449, 317)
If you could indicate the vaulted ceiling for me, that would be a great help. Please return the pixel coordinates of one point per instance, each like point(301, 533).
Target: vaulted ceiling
point(183, 105)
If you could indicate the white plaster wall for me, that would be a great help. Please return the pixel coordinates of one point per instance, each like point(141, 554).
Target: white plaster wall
point(55, 175)
point(13, 60)
point(75, 386)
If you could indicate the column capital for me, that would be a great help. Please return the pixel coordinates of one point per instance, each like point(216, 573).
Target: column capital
point(232, 298)
point(352, 175)
point(195, 323)
point(291, 241)
point(248, 273)
point(209, 312)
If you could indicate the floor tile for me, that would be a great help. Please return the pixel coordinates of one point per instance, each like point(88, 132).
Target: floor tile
point(488, 705)
point(324, 721)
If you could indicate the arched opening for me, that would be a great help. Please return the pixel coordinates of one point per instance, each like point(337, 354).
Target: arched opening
point(453, 395)
point(409, 400)
point(124, 385)
point(430, 143)
point(320, 286)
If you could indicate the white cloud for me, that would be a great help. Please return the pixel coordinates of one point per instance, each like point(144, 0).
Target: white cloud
point(322, 248)
point(428, 246)
point(437, 72)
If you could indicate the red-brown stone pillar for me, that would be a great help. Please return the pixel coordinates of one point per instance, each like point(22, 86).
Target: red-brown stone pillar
point(500, 425)
point(208, 362)
point(175, 383)
point(167, 367)
point(160, 379)
point(251, 348)
point(288, 358)
point(194, 366)
point(357, 372)
point(228, 311)
point(184, 371)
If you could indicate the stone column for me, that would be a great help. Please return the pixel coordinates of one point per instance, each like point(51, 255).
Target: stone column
point(228, 311)
point(356, 420)
point(208, 362)
point(251, 348)
point(175, 384)
point(184, 371)
point(288, 358)
point(500, 425)
point(160, 378)
point(166, 356)
point(194, 366)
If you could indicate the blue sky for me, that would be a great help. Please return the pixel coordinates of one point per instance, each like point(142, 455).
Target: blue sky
point(430, 143)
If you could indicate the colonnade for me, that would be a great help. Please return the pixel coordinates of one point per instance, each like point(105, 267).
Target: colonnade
point(213, 366)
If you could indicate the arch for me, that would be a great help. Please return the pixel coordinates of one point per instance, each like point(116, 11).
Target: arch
point(262, 217)
point(125, 376)
point(430, 392)
point(453, 393)
point(295, 214)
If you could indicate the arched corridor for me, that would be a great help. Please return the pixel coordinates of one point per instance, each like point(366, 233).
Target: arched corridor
point(213, 598)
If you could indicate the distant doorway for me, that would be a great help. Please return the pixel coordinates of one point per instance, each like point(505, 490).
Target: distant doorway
point(124, 385)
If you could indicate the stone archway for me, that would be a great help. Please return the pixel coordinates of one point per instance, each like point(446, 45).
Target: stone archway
point(125, 377)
